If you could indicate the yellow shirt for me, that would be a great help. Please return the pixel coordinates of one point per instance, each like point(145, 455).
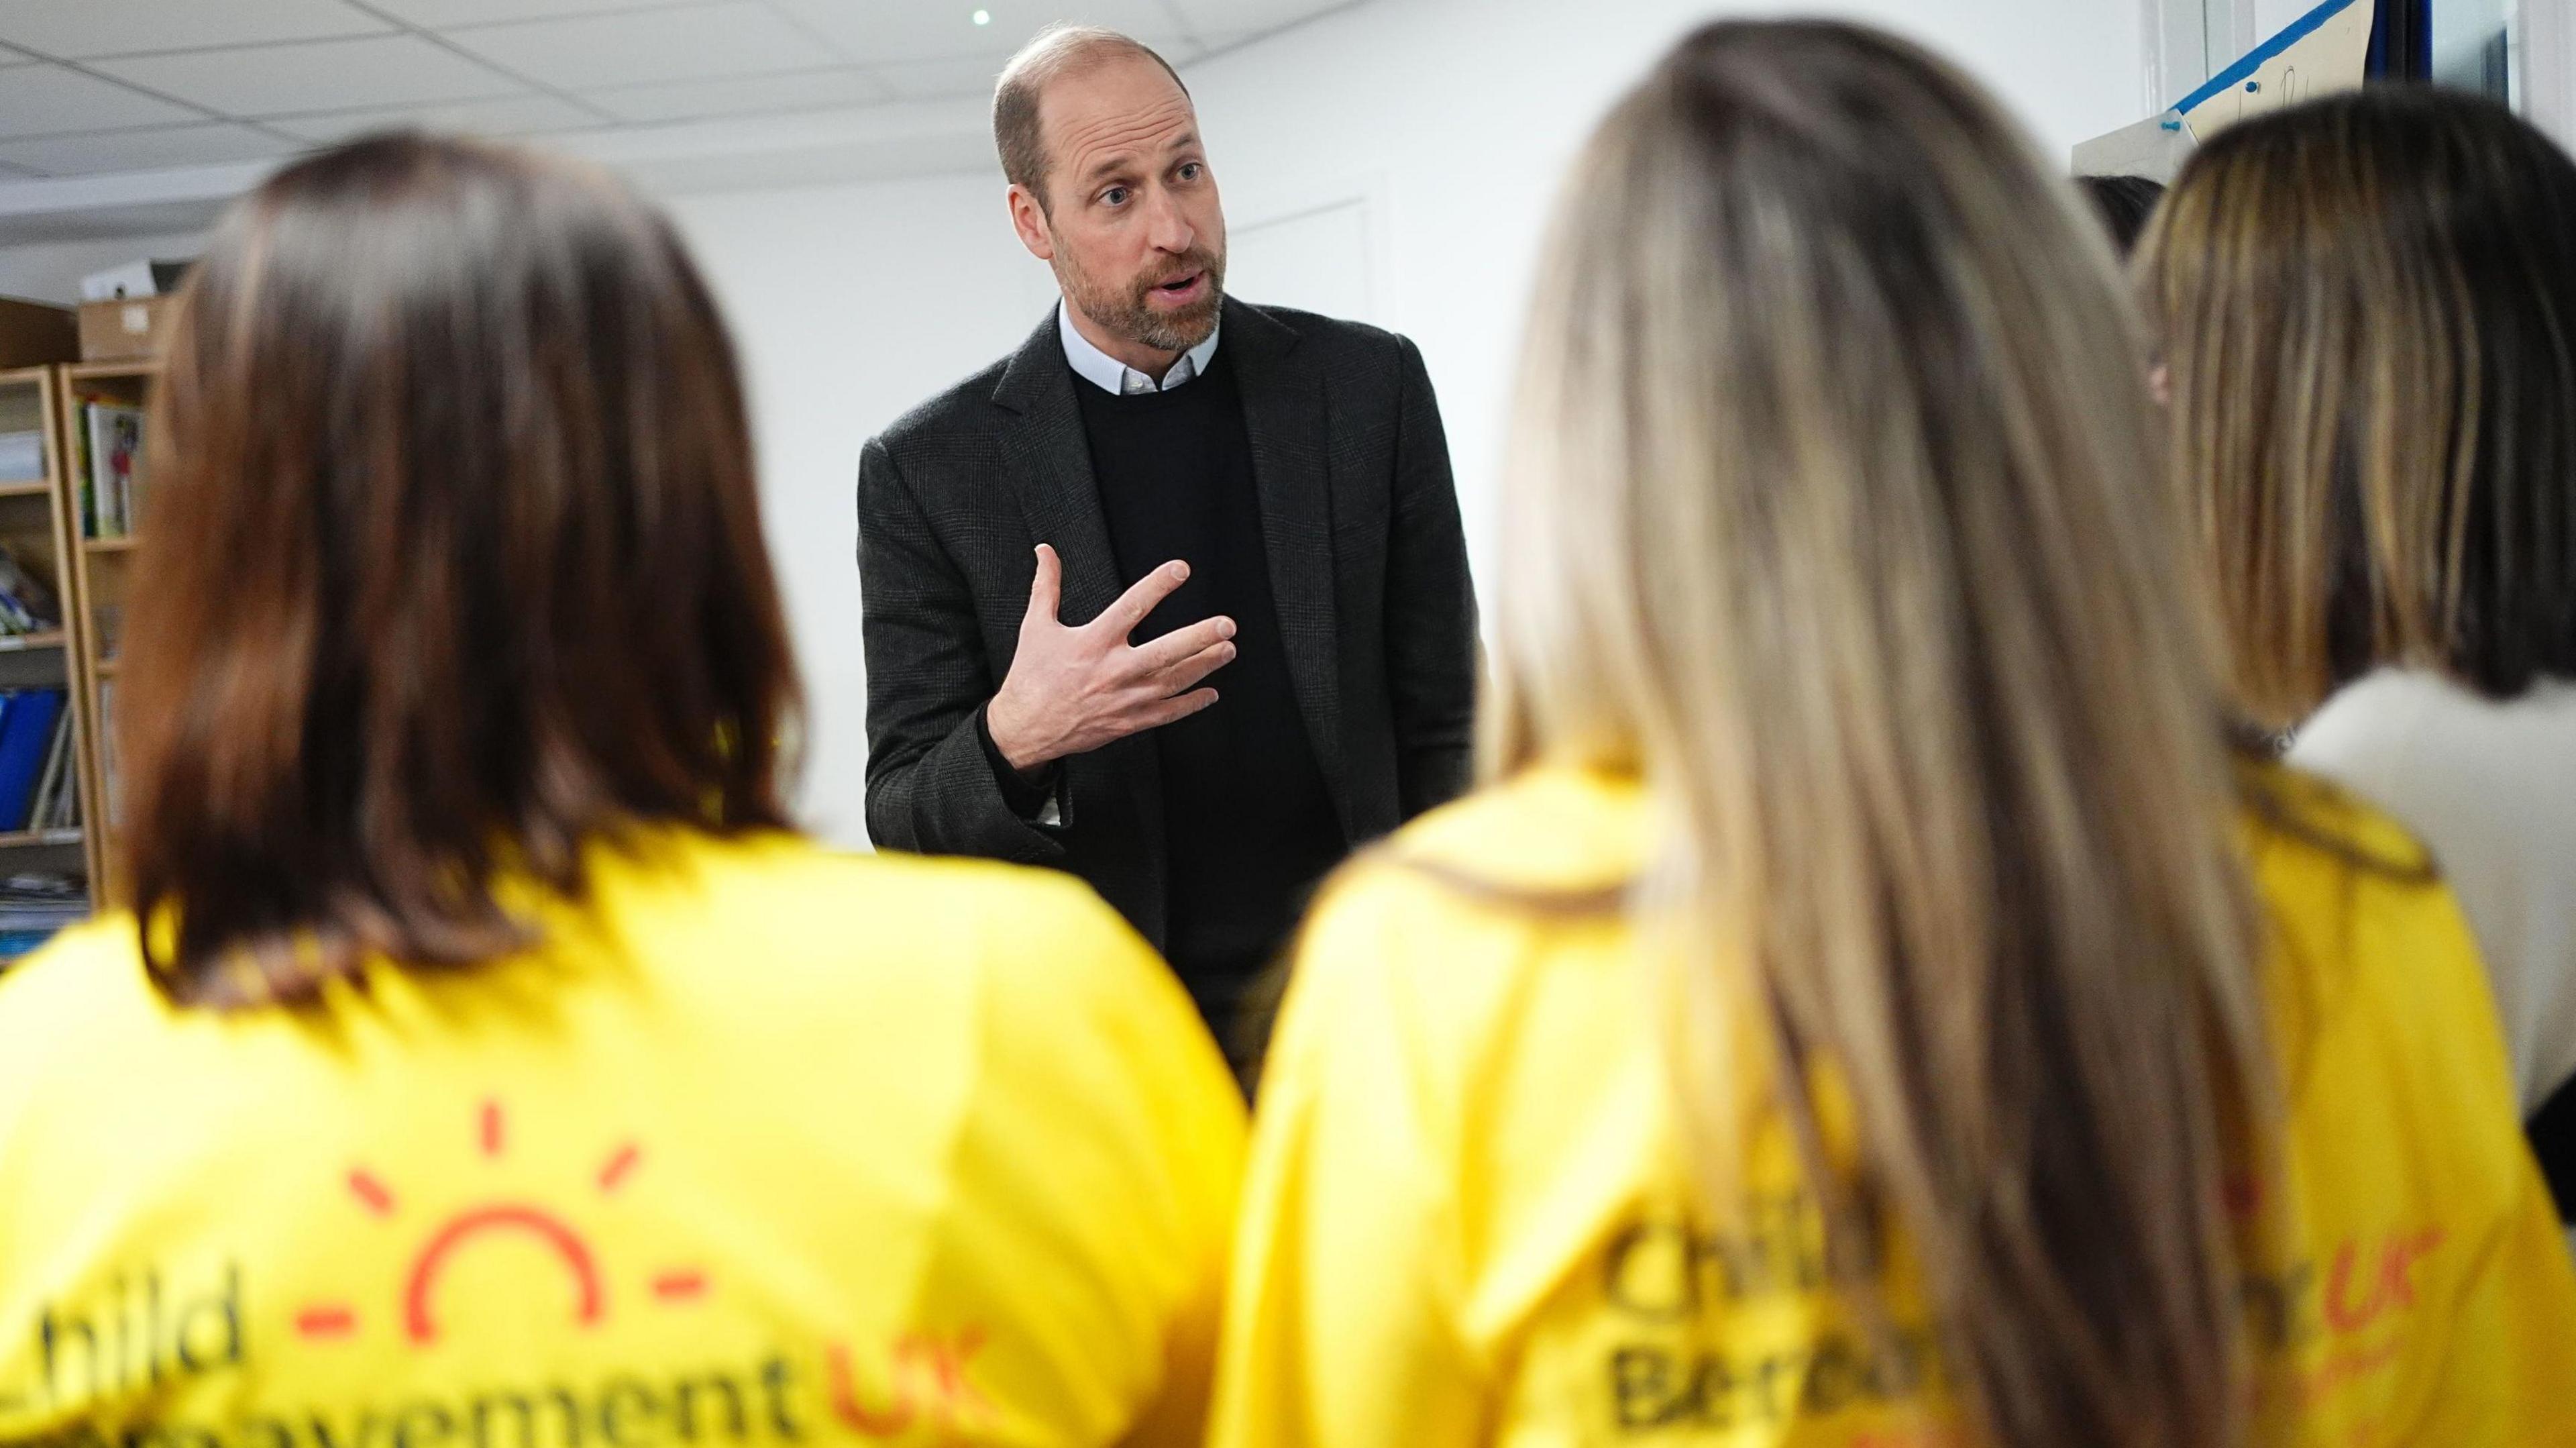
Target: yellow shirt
point(777, 1146)
point(1466, 1222)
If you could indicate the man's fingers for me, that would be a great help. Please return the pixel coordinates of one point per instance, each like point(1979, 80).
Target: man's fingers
point(1171, 709)
point(1047, 588)
point(1156, 655)
point(1194, 668)
point(1132, 606)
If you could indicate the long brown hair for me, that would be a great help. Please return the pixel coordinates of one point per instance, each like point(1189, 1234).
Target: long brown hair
point(1834, 513)
point(454, 567)
point(2368, 308)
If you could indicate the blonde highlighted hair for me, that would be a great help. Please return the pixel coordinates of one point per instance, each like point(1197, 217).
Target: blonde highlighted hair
point(1834, 512)
point(2367, 307)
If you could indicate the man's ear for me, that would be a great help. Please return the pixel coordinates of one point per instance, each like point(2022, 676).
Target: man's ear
point(1029, 219)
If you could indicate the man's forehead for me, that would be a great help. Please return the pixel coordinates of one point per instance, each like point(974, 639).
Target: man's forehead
point(1123, 107)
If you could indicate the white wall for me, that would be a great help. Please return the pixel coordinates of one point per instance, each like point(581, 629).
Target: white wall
point(850, 304)
point(2549, 66)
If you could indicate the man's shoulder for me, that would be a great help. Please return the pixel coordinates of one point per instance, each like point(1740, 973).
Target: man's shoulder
point(1333, 334)
point(964, 411)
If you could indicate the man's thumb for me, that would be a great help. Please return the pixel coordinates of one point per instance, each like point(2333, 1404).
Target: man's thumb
point(1046, 590)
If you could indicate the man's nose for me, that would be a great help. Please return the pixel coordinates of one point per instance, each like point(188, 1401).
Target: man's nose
point(1169, 230)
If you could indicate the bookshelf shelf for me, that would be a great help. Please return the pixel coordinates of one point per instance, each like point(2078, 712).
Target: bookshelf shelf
point(23, 839)
point(40, 488)
point(104, 668)
point(52, 638)
point(109, 371)
point(109, 545)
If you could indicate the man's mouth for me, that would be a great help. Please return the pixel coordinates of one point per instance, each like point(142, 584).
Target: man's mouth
point(1181, 288)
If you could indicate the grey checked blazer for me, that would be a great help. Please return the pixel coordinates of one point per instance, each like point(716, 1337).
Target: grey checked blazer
point(1367, 564)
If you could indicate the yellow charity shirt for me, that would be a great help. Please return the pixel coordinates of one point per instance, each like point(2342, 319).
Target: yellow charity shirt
point(773, 1145)
point(1466, 1220)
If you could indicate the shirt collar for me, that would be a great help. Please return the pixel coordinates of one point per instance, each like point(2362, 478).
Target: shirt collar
point(1113, 376)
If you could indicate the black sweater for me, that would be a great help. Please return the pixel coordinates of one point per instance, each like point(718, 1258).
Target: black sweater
point(1248, 824)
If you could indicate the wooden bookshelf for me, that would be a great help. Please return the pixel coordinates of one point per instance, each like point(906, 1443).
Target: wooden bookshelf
point(37, 526)
point(98, 571)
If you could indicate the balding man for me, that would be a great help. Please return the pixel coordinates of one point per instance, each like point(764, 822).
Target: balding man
point(1175, 596)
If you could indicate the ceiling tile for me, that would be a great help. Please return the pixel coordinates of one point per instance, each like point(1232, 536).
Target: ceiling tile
point(876, 34)
point(83, 29)
point(142, 150)
point(699, 42)
point(517, 116)
point(329, 75)
point(440, 14)
point(934, 79)
point(40, 100)
point(1207, 18)
point(747, 95)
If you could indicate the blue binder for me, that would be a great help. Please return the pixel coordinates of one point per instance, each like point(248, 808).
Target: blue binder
point(26, 732)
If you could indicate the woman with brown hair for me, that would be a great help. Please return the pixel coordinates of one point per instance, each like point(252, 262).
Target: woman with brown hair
point(1867, 1005)
point(483, 1057)
point(2368, 311)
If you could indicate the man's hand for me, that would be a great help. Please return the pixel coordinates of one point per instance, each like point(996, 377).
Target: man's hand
point(1072, 690)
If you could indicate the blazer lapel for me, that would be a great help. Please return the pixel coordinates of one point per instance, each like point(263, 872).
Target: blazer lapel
point(1050, 465)
point(1049, 457)
point(1285, 417)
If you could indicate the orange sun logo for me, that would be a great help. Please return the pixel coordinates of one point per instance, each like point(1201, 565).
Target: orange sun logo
point(420, 1280)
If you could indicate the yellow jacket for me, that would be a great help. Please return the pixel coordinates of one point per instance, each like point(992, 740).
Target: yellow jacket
point(774, 1145)
point(1466, 1222)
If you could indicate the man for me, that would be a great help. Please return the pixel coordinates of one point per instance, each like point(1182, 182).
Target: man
point(1175, 597)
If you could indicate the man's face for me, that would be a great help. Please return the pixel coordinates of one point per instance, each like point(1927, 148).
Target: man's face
point(1133, 226)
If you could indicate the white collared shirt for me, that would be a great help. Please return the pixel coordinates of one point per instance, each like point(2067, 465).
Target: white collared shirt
point(1111, 375)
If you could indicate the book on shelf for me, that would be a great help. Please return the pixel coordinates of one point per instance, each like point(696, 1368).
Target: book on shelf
point(106, 726)
point(111, 448)
point(26, 604)
point(27, 719)
point(34, 905)
point(22, 457)
point(57, 802)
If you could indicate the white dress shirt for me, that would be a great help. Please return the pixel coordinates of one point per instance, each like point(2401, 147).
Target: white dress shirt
point(1111, 375)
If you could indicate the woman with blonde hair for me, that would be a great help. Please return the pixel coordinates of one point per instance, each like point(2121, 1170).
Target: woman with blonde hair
point(1867, 1004)
point(2368, 313)
point(483, 1059)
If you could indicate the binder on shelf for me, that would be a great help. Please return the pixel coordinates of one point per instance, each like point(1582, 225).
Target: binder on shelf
point(26, 730)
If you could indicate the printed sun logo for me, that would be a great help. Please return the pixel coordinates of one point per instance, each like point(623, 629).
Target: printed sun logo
point(460, 1230)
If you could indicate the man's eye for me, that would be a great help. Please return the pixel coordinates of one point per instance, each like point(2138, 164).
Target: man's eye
point(1114, 196)
point(1190, 172)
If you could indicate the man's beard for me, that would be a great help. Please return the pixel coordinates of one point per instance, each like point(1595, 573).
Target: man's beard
point(1129, 314)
